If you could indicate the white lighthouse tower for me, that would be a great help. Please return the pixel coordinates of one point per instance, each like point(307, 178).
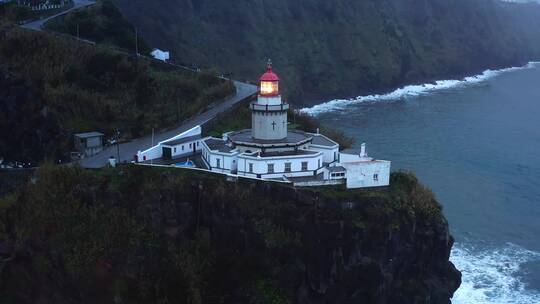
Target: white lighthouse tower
point(269, 112)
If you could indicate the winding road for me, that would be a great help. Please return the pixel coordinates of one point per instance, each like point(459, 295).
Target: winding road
point(37, 25)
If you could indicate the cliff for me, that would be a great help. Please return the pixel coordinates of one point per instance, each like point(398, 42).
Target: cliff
point(147, 235)
point(342, 48)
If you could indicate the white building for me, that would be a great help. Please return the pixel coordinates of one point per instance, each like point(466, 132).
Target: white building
point(160, 55)
point(270, 151)
point(184, 144)
point(89, 143)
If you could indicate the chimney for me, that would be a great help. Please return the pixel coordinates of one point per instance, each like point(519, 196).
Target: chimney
point(363, 152)
point(317, 130)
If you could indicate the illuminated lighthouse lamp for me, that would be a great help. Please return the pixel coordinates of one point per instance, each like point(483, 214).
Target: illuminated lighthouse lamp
point(269, 82)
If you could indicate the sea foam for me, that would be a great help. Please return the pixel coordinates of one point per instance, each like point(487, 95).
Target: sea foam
point(492, 276)
point(410, 91)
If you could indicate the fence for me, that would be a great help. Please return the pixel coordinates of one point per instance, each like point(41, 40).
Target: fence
point(45, 7)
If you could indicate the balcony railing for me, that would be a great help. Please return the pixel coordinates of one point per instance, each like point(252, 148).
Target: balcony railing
point(280, 107)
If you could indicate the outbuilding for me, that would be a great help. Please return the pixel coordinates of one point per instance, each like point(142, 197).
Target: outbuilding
point(89, 143)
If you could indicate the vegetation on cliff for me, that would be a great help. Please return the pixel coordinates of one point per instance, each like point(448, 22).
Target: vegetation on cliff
point(343, 48)
point(52, 87)
point(101, 23)
point(11, 12)
point(149, 235)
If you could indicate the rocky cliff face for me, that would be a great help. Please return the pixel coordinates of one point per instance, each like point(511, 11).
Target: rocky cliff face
point(327, 49)
point(149, 235)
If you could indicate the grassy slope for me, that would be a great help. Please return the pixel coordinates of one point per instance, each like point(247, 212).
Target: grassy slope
point(53, 87)
point(342, 47)
point(11, 13)
point(101, 23)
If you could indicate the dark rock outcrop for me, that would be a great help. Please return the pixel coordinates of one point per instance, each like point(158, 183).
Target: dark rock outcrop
point(194, 237)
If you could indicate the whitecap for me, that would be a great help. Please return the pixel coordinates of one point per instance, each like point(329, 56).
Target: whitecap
point(492, 276)
point(410, 91)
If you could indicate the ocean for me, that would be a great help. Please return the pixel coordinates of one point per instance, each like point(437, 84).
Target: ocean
point(476, 143)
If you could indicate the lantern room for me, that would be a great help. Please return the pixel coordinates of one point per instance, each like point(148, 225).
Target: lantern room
point(269, 82)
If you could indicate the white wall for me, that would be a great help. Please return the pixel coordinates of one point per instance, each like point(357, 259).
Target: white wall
point(157, 151)
point(280, 149)
point(187, 150)
point(260, 165)
point(329, 154)
point(270, 125)
point(361, 174)
point(152, 153)
point(270, 100)
point(227, 161)
point(348, 158)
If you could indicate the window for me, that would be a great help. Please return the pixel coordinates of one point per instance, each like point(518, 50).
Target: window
point(182, 147)
point(250, 167)
point(218, 163)
point(197, 144)
point(287, 167)
point(319, 163)
point(190, 145)
point(270, 168)
point(376, 177)
point(269, 87)
point(174, 149)
point(304, 166)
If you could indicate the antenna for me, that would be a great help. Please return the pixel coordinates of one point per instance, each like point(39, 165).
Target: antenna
point(118, 144)
point(136, 42)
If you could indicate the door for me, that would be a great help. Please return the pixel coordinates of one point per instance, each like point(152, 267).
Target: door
point(234, 167)
point(167, 153)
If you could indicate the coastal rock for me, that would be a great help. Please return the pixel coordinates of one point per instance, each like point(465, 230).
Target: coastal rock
point(199, 237)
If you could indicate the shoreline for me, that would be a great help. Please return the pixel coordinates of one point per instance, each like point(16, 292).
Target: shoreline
point(313, 99)
point(412, 90)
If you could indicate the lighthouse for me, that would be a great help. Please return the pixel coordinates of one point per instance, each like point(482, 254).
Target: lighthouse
point(271, 152)
point(269, 112)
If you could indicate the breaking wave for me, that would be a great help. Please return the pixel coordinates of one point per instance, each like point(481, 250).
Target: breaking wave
point(410, 91)
point(492, 276)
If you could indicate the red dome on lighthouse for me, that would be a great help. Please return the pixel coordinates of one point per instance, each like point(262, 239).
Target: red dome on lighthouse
point(269, 75)
point(269, 82)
